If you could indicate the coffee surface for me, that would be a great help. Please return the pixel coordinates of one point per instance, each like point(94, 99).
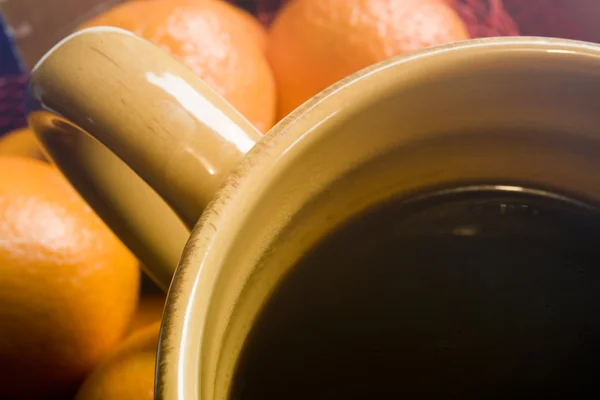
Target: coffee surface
point(471, 295)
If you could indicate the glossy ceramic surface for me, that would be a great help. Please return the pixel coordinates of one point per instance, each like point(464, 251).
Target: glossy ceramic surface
point(510, 112)
point(186, 143)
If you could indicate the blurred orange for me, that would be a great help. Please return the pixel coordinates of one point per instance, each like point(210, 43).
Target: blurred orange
point(129, 373)
point(68, 286)
point(314, 43)
point(222, 44)
point(253, 26)
point(21, 142)
point(149, 311)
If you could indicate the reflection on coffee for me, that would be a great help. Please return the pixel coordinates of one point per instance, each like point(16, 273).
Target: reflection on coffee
point(473, 295)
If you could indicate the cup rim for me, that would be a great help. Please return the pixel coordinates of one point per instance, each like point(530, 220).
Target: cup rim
point(177, 371)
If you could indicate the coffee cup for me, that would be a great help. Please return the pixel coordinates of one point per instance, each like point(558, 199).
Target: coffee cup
point(424, 227)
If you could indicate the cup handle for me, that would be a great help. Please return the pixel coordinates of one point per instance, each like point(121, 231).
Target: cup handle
point(110, 108)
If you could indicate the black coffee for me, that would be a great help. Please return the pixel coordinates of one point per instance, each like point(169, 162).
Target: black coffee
point(471, 295)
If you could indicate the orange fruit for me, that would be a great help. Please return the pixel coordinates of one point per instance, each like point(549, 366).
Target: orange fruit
point(222, 44)
point(252, 25)
point(68, 286)
point(128, 373)
point(314, 43)
point(21, 142)
point(149, 311)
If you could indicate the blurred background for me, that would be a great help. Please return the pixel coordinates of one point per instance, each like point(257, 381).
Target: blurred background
point(78, 317)
point(31, 27)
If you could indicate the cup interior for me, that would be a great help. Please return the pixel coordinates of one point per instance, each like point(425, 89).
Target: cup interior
point(471, 293)
point(506, 124)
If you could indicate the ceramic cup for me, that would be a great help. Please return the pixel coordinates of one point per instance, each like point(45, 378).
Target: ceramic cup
point(157, 153)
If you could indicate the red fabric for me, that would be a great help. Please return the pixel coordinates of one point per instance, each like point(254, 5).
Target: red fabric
point(556, 18)
point(264, 10)
point(485, 18)
point(11, 102)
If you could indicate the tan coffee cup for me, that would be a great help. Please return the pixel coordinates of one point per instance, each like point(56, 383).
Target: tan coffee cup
point(506, 113)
